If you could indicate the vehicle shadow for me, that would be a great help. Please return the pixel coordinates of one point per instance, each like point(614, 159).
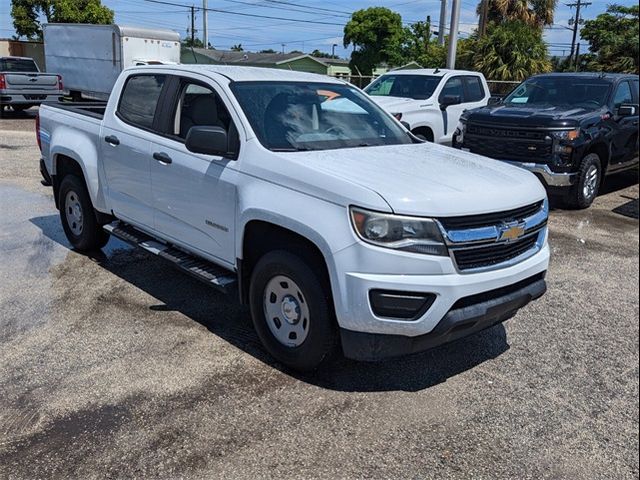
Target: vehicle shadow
point(230, 321)
point(12, 114)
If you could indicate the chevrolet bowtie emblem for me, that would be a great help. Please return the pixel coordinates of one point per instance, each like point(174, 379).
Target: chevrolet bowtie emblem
point(511, 231)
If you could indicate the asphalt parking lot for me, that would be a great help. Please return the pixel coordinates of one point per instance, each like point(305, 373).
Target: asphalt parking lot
point(115, 365)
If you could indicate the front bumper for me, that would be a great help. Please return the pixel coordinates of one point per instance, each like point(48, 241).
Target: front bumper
point(468, 316)
point(548, 176)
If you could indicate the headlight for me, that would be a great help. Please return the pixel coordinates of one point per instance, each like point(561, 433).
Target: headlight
point(566, 134)
point(458, 135)
point(409, 234)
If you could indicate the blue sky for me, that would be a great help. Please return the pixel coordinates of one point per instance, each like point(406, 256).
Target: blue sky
point(227, 29)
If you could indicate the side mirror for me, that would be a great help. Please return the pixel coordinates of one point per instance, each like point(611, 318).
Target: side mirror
point(494, 100)
point(207, 140)
point(627, 110)
point(449, 100)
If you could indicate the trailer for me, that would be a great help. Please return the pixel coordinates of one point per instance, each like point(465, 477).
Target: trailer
point(90, 57)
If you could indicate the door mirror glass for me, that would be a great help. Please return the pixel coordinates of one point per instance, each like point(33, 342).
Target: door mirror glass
point(208, 141)
point(626, 110)
point(494, 100)
point(448, 100)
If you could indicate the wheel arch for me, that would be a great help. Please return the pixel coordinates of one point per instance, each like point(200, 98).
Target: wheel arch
point(260, 236)
point(602, 150)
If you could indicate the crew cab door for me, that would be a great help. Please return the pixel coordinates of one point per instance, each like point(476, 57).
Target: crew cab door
point(472, 94)
point(624, 147)
point(194, 195)
point(125, 147)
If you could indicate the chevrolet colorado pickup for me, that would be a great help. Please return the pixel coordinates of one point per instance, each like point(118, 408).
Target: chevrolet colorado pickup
point(430, 101)
point(22, 86)
point(329, 219)
point(570, 129)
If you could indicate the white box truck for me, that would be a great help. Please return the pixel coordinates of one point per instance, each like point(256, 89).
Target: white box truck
point(91, 57)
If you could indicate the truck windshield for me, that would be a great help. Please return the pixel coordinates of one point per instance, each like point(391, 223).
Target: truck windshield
point(295, 116)
point(572, 91)
point(418, 87)
point(17, 65)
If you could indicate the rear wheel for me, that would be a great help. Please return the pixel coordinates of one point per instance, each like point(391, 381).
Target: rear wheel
point(291, 311)
point(78, 216)
point(585, 190)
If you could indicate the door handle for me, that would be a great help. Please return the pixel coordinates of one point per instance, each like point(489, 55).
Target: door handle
point(162, 157)
point(112, 140)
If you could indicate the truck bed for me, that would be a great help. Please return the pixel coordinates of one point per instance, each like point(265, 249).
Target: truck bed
point(90, 109)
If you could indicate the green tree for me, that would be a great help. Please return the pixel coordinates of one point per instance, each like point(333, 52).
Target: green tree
point(26, 14)
point(418, 46)
point(376, 34)
point(535, 13)
point(196, 43)
point(268, 50)
point(613, 39)
point(237, 48)
point(510, 51)
point(320, 54)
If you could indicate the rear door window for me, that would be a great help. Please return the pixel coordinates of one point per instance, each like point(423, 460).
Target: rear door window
point(17, 65)
point(139, 99)
point(475, 91)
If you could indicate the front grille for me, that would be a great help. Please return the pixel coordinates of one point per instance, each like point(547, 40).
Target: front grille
point(493, 254)
point(489, 219)
point(508, 144)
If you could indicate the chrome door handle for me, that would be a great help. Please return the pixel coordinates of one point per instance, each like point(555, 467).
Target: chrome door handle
point(112, 140)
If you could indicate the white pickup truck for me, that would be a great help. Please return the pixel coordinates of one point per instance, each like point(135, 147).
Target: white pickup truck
point(430, 101)
point(22, 86)
point(336, 225)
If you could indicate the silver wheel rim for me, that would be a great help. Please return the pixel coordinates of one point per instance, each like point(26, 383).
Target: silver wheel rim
point(286, 311)
point(591, 182)
point(73, 211)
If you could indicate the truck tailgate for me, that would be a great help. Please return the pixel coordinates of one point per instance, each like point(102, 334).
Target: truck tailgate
point(34, 81)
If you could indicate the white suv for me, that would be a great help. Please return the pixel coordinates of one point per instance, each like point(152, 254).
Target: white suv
point(429, 101)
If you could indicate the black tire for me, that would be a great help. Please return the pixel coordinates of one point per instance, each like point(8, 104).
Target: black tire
point(20, 108)
point(87, 235)
point(321, 340)
point(580, 195)
point(424, 136)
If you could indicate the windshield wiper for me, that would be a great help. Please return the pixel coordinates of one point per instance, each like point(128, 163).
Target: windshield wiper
point(291, 149)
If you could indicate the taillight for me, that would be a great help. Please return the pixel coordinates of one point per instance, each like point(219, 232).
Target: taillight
point(38, 131)
point(60, 85)
point(3, 82)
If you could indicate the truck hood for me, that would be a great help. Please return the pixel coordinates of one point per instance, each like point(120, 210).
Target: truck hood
point(398, 104)
point(527, 116)
point(428, 179)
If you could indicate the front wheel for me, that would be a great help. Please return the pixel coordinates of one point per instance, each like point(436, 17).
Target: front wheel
point(78, 217)
point(585, 190)
point(291, 311)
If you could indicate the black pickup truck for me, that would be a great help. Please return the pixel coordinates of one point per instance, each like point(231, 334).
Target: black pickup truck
point(570, 129)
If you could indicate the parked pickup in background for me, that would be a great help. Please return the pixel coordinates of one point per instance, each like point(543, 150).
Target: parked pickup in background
point(570, 129)
point(334, 224)
point(430, 102)
point(22, 86)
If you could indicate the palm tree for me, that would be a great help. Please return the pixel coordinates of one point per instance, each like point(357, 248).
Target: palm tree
point(510, 51)
point(535, 13)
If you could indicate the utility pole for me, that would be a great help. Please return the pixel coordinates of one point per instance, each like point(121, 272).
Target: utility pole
point(333, 50)
point(484, 18)
point(576, 23)
point(443, 20)
point(205, 26)
point(453, 34)
point(577, 56)
point(193, 25)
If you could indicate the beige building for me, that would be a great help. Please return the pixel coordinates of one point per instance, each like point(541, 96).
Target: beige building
point(19, 48)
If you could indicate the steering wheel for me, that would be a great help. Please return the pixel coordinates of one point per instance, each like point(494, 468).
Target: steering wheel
point(335, 130)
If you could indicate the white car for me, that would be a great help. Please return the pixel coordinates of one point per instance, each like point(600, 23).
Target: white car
point(334, 224)
point(430, 101)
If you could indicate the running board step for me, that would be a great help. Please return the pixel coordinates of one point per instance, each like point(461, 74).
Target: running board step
point(213, 275)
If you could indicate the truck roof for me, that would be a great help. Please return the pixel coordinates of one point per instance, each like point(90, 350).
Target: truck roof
point(121, 30)
point(438, 72)
point(247, 74)
point(603, 75)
